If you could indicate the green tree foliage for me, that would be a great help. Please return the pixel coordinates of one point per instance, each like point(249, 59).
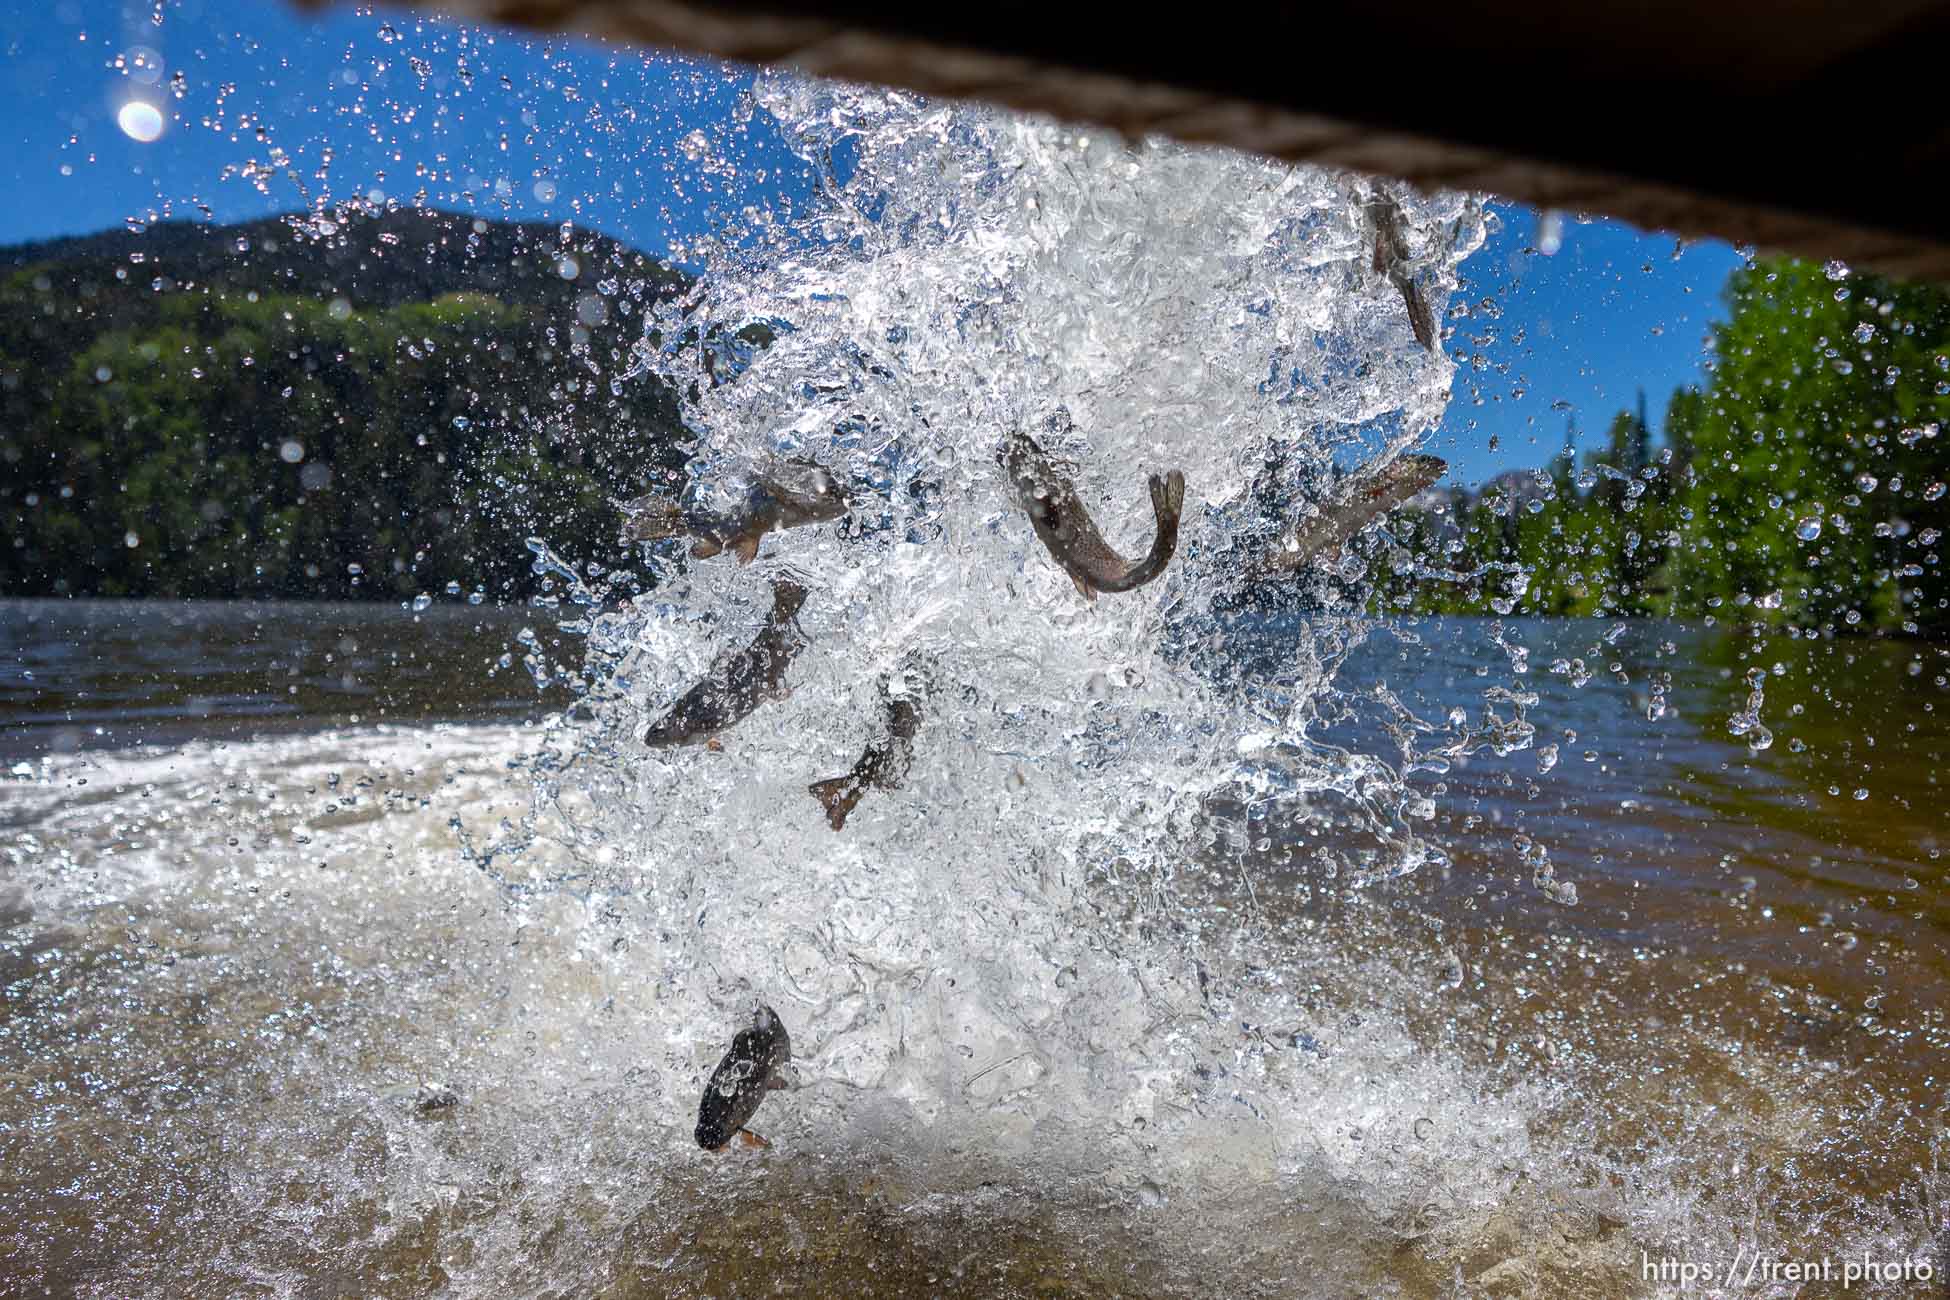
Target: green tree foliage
point(1802, 484)
point(1826, 409)
point(222, 441)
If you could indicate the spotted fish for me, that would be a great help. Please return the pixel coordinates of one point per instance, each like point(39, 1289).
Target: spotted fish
point(740, 682)
point(754, 1066)
point(884, 763)
point(1060, 519)
point(1356, 502)
point(785, 495)
point(1391, 259)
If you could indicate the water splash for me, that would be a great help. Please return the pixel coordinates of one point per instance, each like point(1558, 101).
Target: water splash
point(980, 960)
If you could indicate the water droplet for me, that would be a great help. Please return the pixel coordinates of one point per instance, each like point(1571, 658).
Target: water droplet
point(291, 451)
point(1933, 491)
point(1865, 482)
point(545, 191)
point(421, 601)
point(142, 64)
point(131, 540)
point(339, 309)
point(1836, 269)
point(568, 268)
point(1808, 528)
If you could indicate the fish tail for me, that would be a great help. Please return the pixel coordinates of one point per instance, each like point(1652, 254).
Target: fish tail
point(1167, 506)
point(1168, 498)
point(839, 795)
point(1421, 316)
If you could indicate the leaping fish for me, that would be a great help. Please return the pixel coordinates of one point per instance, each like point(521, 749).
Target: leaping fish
point(1356, 502)
point(1058, 515)
point(784, 495)
point(1391, 260)
point(885, 762)
point(737, 683)
point(754, 1066)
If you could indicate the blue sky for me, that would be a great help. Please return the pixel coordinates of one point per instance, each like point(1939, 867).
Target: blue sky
point(266, 106)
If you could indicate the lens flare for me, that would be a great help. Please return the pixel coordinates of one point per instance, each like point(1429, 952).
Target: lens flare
point(140, 121)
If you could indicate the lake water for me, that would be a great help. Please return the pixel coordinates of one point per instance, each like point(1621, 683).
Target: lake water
point(247, 912)
point(114, 674)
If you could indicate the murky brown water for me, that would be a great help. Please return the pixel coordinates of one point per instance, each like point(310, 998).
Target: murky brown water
point(227, 962)
point(100, 674)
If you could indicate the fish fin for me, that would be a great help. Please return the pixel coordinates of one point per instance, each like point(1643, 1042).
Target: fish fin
point(704, 548)
point(839, 795)
point(752, 1139)
point(745, 548)
point(1084, 589)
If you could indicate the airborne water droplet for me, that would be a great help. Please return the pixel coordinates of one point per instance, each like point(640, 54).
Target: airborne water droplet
point(1808, 528)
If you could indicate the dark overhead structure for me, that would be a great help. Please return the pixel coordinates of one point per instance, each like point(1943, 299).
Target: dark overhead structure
point(1799, 125)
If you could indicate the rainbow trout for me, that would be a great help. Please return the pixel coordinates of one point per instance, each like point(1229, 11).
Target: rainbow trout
point(1391, 260)
point(754, 1066)
point(884, 763)
point(737, 683)
point(785, 495)
point(1357, 501)
point(1058, 515)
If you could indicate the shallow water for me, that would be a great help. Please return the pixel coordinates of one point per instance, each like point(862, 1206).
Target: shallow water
point(228, 963)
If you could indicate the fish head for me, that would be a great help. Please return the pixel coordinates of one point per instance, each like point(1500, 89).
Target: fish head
point(1415, 473)
point(1033, 479)
point(1020, 457)
point(802, 492)
point(769, 1033)
point(650, 517)
point(788, 598)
